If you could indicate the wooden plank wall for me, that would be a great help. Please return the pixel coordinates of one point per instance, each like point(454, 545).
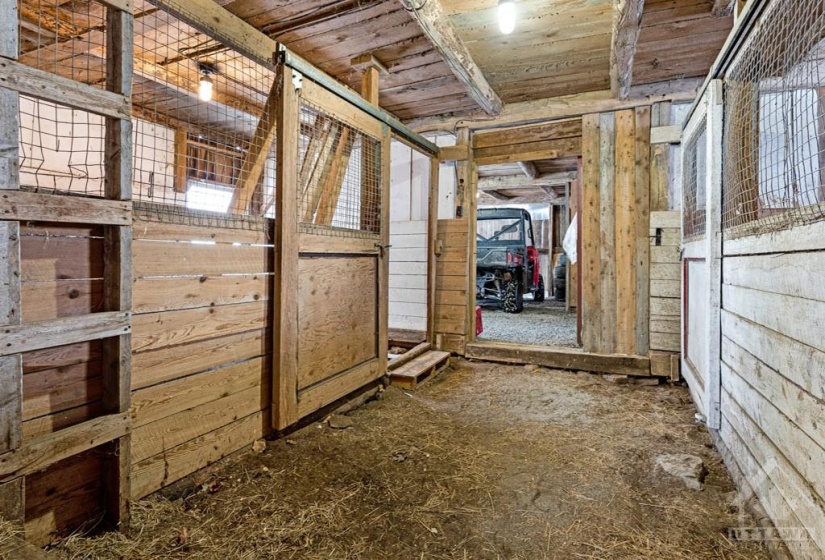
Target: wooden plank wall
point(615, 246)
point(201, 347)
point(408, 276)
point(665, 293)
point(62, 267)
point(452, 284)
point(773, 376)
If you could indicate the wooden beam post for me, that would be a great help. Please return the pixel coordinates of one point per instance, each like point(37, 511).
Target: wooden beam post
point(437, 27)
point(371, 67)
point(529, 168)
point(181, 160)
point(285, 347)
point(11, 370)
point(255, 157)
point(117, 265)
point(627, 23)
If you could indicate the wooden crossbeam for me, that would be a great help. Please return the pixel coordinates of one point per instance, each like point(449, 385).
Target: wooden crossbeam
point(320, 169)
point(511, 182)
point(27, 206)
point(331, 190)
point(62, 331)
point(255, 157)
point(529, 169)
point(627, 23)
point(51, 448)
point(437, 27)
point(57, 89)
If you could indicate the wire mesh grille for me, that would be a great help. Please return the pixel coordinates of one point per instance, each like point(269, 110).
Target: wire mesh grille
point(67, 38)
point(204, 121)
point(339, 176)
point(694, 190)
point(774, 137)
point(203, 113)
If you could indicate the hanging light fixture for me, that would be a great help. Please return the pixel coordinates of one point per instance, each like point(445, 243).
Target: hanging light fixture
point(506, 16)
point(205, 88)
point(205, 84)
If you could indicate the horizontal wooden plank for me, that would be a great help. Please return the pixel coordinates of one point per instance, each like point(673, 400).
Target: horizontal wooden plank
point(663, 324)
point(665, 306)
point(54, 390)
point(666, 219)
point(62, 356)
point(44, 451)
point(165, 399)
point(558, 358)
point(338, 386)
point(808, 237)
point(170, 328)
point(664, 254)
point(666, 271)
point(153, 259)
point(460, 152)
point(163, 294)
point(549, 149)
point(63, 91)
point(47, 259)
point(797, 318)
point(165, 364)
point(43, 425)
point(569, 128)
point(797, 274)
point(317, 243)
point(165, 434)
point(23, 206)
point(666, 134)
point(162, 469)
point(456, 225)
point(62, 298)
point(165, 231)
point(665, 341)
point(63, 331)
point(665, 288)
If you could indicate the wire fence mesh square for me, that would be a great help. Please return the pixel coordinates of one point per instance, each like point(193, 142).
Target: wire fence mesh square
point(67, 38)
point(694, 188)
point(339, 176)
point(774, 134)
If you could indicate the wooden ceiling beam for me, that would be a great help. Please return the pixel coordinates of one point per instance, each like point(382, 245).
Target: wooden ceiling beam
point(513, 182)
point(627, 23)
point(437, 27)
point(529, 169)
point(566, 106)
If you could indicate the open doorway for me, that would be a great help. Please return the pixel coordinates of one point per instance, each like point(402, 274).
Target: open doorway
point(525, 284)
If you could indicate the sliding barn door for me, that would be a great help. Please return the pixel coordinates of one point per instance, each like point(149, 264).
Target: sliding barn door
point(333, 179)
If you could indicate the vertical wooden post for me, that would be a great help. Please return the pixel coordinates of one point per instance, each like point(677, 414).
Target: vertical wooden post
point(466, 199)
point(384, 256)
point(642, 253)
point(285, 348)
point(432, 240)
point(369, 85)
point(181, 160)
point(11, 370)
point(590, 256)
point(713, 221)
point(117, 268)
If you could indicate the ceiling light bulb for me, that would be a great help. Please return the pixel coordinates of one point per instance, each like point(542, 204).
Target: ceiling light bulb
point(205, 88)
point(506, 16)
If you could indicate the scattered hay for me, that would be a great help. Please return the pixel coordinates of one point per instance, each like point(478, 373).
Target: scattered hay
point(488, 461)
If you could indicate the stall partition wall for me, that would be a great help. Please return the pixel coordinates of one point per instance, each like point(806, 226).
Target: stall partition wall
point(410, 175)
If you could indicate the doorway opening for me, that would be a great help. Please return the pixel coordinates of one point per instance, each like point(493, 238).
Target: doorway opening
point(524, 281)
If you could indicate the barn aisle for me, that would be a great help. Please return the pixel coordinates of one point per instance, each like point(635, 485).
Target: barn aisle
point(486, 461)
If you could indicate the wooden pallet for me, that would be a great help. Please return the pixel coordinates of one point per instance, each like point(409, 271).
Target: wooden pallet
point(421, 368)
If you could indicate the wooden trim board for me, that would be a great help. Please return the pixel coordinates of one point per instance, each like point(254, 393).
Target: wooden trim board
point(558, 358)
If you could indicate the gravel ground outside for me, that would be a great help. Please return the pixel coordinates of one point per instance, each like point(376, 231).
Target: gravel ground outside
point(546, 323)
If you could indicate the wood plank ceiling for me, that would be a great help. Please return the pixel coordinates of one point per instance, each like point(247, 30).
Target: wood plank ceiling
point(330, 34)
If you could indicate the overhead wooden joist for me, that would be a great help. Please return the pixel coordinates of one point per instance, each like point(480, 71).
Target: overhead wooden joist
point(529, 169)
point(566, 106)
point(436, 25)
point(512, 182)
point(627, 23)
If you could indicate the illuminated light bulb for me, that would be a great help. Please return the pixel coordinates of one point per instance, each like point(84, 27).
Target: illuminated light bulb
point(506, 16)
point(205, 88)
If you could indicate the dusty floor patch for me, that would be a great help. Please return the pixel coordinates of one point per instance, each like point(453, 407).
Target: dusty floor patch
point(487, 461)
point(545, 323)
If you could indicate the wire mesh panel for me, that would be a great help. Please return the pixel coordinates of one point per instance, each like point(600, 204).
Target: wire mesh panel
point(67, 38)
point(774, 136)
point(339, 176)
point(694, 189)
point(204, 135)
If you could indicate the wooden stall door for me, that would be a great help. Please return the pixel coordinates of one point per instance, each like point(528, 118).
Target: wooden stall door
point(334, 169)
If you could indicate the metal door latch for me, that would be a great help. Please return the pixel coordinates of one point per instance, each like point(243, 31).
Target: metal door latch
point(382, 248)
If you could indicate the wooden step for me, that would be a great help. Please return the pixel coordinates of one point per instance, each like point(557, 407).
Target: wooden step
point(408, 356)
point(423, 367)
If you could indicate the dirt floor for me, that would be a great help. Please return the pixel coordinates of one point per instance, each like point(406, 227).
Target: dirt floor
point(546, 323)
point(486, 461)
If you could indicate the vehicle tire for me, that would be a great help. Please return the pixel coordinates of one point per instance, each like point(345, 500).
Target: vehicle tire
point(538, 293)
point(560, 288)
point(513, 300)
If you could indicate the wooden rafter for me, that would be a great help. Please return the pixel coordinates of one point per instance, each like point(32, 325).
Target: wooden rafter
point(518, 182)
point(529, 169)
point(627, 23)
point(437, 27)
point(331, 189)
point(255, 157)
point(312, 185)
